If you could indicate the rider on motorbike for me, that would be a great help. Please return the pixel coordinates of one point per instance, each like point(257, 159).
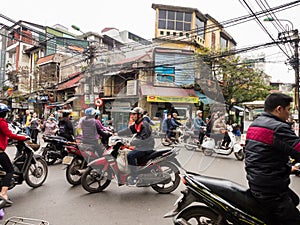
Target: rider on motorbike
point(270, 142)
point(143, 141)
point(174, 123)
point(198, 126)
point(65, 127)
point(91, 130)
point(5, 162)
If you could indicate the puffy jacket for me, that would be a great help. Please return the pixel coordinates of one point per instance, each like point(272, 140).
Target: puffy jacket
point(6, 133)
point(144, 140)
point(269, 143)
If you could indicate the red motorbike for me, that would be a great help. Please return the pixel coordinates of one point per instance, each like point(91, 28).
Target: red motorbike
point(77, 159)
point(159, 170)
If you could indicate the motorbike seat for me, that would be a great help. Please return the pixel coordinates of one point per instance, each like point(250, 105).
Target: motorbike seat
point(86, 147)
point(232, 192)
point(54, 138)
point(153, 155)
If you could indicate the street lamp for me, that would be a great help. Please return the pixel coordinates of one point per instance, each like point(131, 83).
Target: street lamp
point(77, 28)
point(271, 19)
point(292, 35)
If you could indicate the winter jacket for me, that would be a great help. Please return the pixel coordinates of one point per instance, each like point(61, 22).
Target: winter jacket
point(144, 140)
point(269, 143)
point(198, 123)
point(6, 133)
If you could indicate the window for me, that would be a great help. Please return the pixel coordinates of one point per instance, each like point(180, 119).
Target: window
point(200, 28)
point(173, 20)
point(223, 43)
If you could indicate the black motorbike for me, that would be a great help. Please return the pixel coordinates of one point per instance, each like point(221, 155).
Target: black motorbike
point(54, 148)
point(208, 200)
point(27, 166)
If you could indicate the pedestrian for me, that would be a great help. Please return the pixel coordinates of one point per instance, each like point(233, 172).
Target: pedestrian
point(199, 126)
point(34, 127)
point(5, 162)
point(49, 127)
point(270, 142)
point(26, 122)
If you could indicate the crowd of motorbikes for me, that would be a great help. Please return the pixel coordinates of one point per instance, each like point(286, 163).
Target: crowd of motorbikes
point(205, 200)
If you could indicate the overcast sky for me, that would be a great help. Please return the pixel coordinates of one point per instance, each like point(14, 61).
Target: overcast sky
point(138, 17)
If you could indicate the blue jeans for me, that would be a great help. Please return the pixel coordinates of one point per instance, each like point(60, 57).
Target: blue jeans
point(132, 157)
point(27, 129)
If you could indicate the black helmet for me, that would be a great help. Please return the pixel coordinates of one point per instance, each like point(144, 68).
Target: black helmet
point(137, 110)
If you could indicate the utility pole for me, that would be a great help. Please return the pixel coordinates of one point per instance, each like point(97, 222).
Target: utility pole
point(296, 68)
point(294, 36)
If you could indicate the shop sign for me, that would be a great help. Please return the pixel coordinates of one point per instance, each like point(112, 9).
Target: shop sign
point(187, 99)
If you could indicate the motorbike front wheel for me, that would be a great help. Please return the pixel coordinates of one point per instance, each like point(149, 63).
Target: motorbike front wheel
point(73, 175)
point(169, 174)
point(95, 180)
point(199, 215)
point(240, 155)
point(48, 158)
point(37, 173)
point(189, 144)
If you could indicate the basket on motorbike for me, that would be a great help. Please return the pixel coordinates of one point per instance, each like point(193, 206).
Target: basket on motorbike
point(25, 221)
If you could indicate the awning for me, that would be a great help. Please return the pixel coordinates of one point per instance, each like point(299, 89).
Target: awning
point(204, 99)
point(71, 83)
point(58, 104)
point(169, 94)
point(44, 60)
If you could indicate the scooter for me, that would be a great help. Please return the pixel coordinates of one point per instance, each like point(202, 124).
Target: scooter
point(209, 146)
point(158, 170)
point(192, 140)
point(54, 148)
point(208, 200)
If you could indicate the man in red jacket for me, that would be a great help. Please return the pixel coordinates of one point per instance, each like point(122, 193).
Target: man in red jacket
point(5, 162)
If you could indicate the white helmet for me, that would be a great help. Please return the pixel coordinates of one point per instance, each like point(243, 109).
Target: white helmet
point(198, 111)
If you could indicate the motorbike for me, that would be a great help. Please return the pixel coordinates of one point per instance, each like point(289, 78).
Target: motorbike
point(177, 137)
point(27, 166)
point(54, 148)
point(79, 155)
point(208, 200)
point(158, 170)
point(192, 140)
point(209, 146)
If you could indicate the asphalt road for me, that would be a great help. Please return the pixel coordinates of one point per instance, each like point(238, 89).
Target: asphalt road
point(61, 204)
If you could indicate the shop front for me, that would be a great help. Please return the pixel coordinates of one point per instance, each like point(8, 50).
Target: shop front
point(162, 100)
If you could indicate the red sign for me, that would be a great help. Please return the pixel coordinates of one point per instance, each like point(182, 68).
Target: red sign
point(98, 102)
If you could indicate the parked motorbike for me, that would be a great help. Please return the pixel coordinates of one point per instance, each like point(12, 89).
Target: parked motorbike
point(54, 148)
point(159, 170)
point(209, 146)
point(27, 166)
point(208, 200)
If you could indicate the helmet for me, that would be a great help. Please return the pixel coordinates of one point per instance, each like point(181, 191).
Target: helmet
point(137, 110)
point(90, 112)
point(97, 112)
point(4, 108)
point(198, 111)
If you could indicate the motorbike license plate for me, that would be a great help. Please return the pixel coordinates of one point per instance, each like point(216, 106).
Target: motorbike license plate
point(67, 160)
